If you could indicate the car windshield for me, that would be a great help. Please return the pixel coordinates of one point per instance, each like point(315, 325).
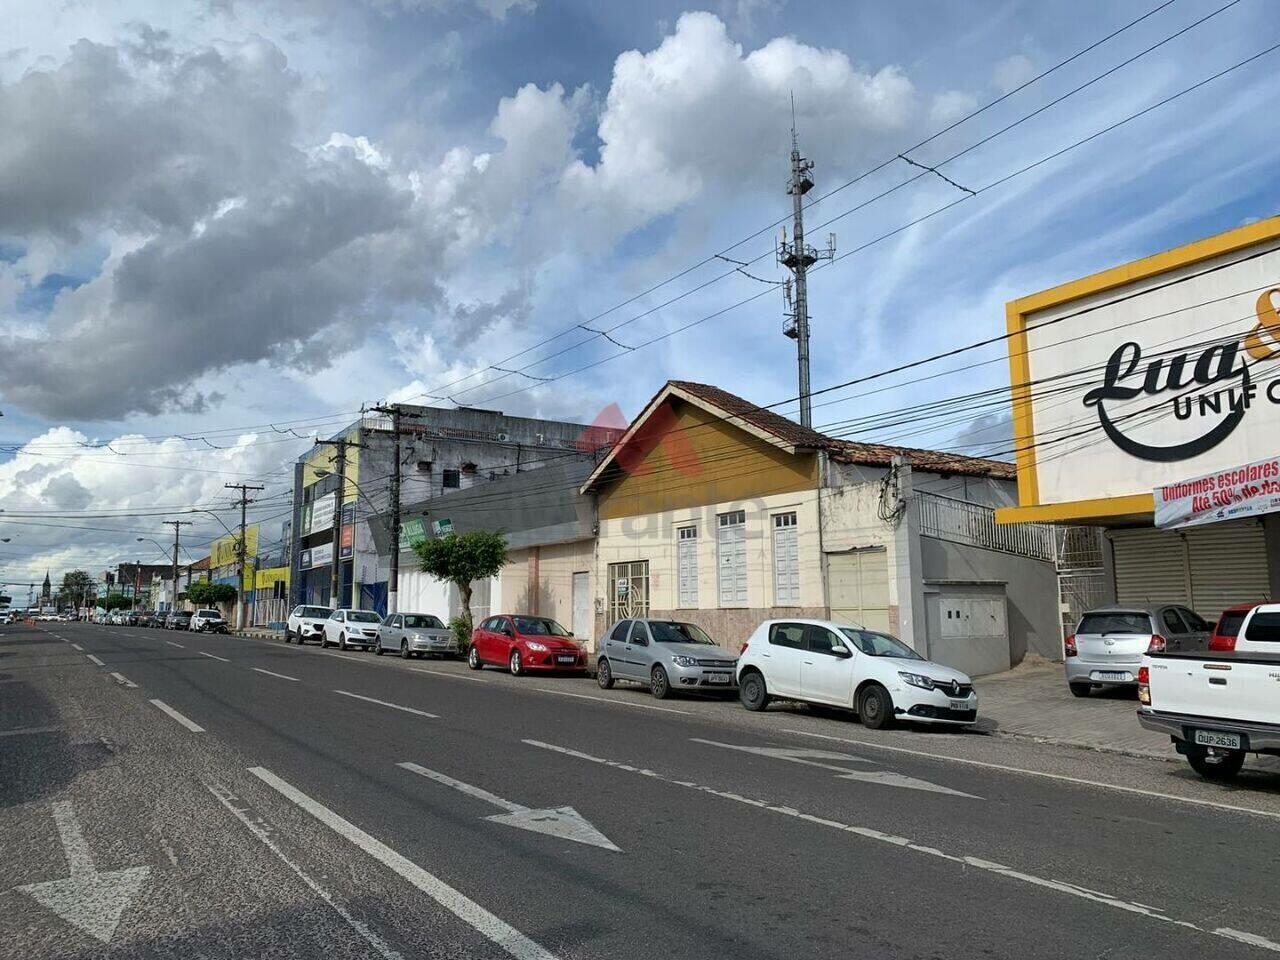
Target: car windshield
point(183, 614)
point(363, 616)
point(1229, 623)
point(314, 612)
point(1264, 627)
point(539, 627)
point(1104, 623)
point(880, 644)
point(669, 632)
point(210, 613)
point(420, 622)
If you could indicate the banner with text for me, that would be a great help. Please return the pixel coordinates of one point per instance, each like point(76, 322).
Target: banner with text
point(1247, 491)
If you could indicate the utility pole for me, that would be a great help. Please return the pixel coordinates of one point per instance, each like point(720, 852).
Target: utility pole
point(798, 258)
point(244, 489)
point(393, 579)
point(177, 529)
point(341, 445)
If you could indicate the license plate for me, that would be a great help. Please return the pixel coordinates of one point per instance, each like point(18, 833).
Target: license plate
point(1116, 675)
point(959, 705)
point(569, 659)
point(717, 677)
point(1211, 738)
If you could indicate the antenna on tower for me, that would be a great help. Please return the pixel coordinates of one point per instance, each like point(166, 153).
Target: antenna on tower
point(798, 257)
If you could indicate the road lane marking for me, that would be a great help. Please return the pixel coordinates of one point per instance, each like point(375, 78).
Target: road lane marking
point(175, 644)
point(451, 676)
point(563, 822)
point(91, 901)
point(189, 724)
point(22, 731)
point(1039, 773)
point(906, 843)
point(1250, 938)
point(212, 657)
point(123, 681)
point(341, 656)
point(384, 703)
point(95, 659)
point(813, 758)
point(77, 646)
point(621, 703)
point(259, 829)
point(505, 936)
point(269, 673)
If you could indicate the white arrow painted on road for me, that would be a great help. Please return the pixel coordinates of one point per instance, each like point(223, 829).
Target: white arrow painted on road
point(564, 822)
point(87, 899)
point(814, 758)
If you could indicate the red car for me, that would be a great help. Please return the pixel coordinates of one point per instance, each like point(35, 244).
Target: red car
point(524, 643)
point(1224, 634)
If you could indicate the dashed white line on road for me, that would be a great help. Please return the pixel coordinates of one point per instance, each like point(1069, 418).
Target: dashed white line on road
point(212, 657)
point(280, 675)
point(78, 647)
point(464, 908)
point(260, 830)
point(340, 656)
point(174, 644)
point(610, 700)
point(189, 724)
point(95, 659)
point(909, 844)
point(451, 676)
point(384, 703)
point(123, 680)
point(25, 730)
point(1040, 773)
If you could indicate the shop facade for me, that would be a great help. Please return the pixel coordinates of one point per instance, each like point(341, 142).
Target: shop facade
point(1158, 378)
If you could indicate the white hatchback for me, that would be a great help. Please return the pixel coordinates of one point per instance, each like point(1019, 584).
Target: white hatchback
point(352, 628)
point(872, 673)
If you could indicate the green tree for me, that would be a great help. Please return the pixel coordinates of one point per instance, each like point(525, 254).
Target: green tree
point(203, 593)
point(77, 587)
point(461, 559)
point(115, 601)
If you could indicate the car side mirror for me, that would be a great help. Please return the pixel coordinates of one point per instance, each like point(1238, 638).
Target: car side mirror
point(844, 653)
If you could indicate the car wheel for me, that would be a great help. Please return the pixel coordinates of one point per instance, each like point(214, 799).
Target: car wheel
point(604, 676)
point(342, 642)
point(752, 691)
point(876, 708)
point(378, 649)
point(404, 650)
point(1080, 689)
point(473, 660)
point(515, 664)
point(659, 683)
point(1223, 765)
point(324, 641)
point(288, 637)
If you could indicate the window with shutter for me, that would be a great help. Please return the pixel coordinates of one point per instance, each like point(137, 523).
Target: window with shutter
point(786, 560)
point(731, 547)
point(687, 566)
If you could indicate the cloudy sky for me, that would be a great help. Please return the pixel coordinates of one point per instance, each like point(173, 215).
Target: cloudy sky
point(236, 222)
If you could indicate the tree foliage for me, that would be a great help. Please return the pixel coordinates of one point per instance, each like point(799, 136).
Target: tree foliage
point(116, 601)
point(461, 558)
point(204, 593)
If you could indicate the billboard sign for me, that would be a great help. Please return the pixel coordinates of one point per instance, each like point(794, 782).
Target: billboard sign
point(1145, 374)
point(412, 531)
point(322, 513)
point(347, 542)
point(1247, 491)
point(322, 556)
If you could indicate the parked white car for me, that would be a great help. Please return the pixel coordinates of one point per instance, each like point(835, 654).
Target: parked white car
point(347, 628)
point(207, 619)
point(872, 673)
point(1260, 632)
point(306, 623)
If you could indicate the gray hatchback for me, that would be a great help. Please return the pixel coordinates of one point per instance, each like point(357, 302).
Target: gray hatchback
point(1107, 647)
point(667, 655)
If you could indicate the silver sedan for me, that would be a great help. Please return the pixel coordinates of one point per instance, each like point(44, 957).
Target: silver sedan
point(416, 635)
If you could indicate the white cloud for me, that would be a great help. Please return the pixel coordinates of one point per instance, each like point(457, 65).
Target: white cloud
point(1012, 72)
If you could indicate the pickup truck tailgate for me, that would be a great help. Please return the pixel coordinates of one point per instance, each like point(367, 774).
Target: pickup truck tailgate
point(1227, 686)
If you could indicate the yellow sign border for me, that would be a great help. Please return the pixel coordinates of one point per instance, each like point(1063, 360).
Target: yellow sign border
point(1135, 507)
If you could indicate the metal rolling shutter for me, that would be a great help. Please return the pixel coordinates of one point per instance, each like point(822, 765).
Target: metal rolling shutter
point(1151, 567)
point(1228, 566)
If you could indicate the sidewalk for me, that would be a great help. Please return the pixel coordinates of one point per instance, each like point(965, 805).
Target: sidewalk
point(1032, 700)
point(260, 633)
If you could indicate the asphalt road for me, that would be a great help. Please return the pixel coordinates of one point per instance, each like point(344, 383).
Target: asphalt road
point(168, 794)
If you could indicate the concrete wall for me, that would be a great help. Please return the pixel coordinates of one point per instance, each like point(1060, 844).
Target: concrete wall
point(539, 580)
point(1031, 588)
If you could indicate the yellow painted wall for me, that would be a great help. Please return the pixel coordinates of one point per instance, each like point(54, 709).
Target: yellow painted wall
point(322, 458)
point(727, 464)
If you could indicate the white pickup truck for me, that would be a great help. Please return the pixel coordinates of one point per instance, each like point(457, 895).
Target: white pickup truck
point(1218, 706)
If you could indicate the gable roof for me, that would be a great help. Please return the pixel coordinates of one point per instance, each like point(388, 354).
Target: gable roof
point(795, 438)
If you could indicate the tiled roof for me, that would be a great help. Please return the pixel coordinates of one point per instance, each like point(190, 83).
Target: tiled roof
point(201, 564)
point(845, 451)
